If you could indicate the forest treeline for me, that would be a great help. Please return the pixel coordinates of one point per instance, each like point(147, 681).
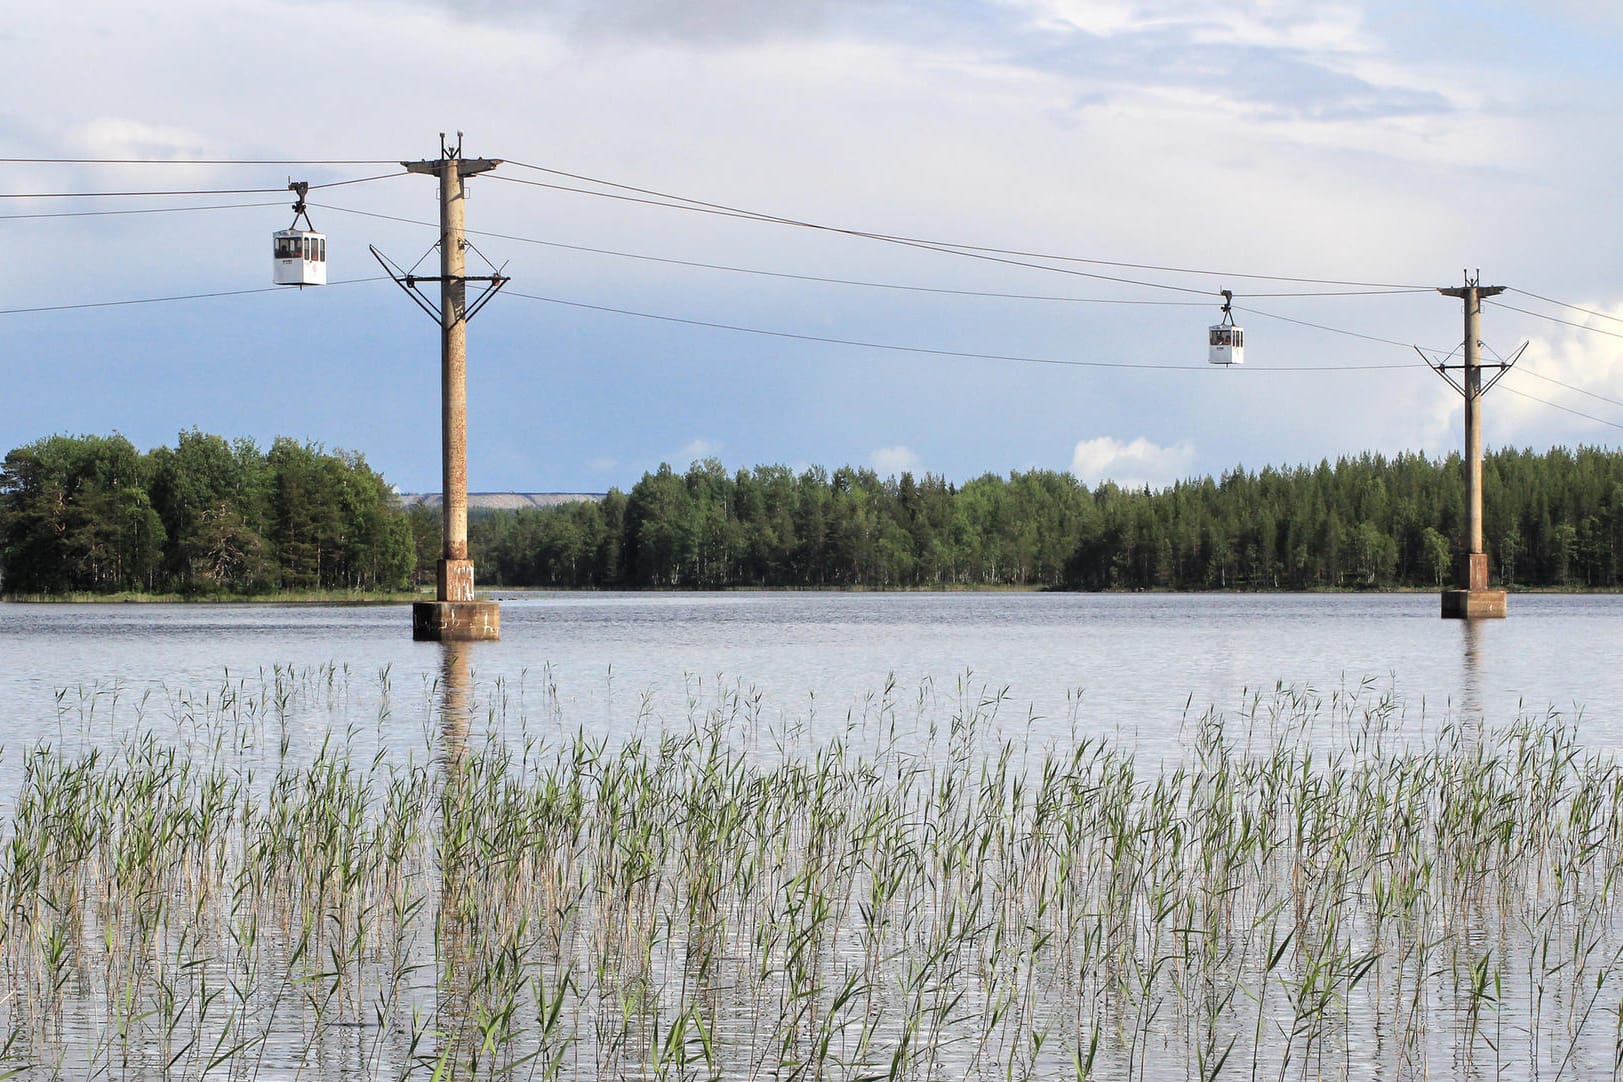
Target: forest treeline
point(212, 516)
point(1366, 522)
point(207, 516)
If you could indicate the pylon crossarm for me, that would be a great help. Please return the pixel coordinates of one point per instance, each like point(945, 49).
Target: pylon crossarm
point(494, 283)
point(1441, 369)
point(407, 282)
point(1505, 367)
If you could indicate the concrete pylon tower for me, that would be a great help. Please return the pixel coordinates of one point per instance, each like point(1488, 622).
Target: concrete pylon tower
point(1473, 598)
point(455, 614)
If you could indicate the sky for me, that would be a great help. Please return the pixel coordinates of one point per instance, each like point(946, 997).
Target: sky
point(1100, 169)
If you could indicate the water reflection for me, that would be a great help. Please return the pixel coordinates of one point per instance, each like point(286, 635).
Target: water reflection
point(456, 702)
point(459, 913)
point(1140, 658)
point(1471, 701)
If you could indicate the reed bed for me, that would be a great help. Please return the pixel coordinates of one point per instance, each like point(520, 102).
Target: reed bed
point(1308, 891)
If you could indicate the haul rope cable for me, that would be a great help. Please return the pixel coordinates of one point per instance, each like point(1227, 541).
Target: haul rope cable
point(684, 202)
point(203, 191)
point(951, 245)
point(831, 280)
point(134, 210)
point(896, 347)
point(164, 300)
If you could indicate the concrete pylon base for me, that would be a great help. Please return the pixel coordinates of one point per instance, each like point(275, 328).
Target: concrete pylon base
point(456, 621)
point(1473, 604)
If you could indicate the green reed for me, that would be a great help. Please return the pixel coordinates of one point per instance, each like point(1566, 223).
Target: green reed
point(1308, 891)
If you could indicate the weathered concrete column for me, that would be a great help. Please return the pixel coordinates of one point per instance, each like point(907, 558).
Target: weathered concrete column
point(1473, 425)
point(455, 614)
point(455, 569)
point(1473, 599)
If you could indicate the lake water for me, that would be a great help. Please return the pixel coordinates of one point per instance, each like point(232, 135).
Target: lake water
point(1475, 967)
point(1130, 666)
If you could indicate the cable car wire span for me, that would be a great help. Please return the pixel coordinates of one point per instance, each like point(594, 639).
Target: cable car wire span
point(828, 280)
point(671, 201)
point(761, 272)
point(134, 210)
point(1557, 319)
point(203, 191)
point(930, 351)
point(164, 300)
point(684, 203)
point(196, 161)
point(1563, 304)
point(1563, 409)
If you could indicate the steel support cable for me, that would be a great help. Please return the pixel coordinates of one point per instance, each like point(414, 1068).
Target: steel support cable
point(1334, 330)
point(1567, 323)
point(119, 195)
point(164, 300)
point(360, 180)
point(684, 202)
point(1524, 370)
point(822, 279)
point(929, 351)
point(134, 210)
point(1557, 319)
point(1563, 304)
point(197, 161)
point(906, 242)
point(760, 272)
point(677, 202)
point(203, 191)
point(1563, 409)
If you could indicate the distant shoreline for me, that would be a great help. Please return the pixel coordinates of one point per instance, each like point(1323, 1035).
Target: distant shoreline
point(502, 501)
point(513, 593)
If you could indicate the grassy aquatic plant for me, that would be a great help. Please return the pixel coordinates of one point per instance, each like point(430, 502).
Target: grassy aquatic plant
point(1310, 890)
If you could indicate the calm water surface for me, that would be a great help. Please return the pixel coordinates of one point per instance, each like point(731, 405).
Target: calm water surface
point(1131, 666)
point(1135, 669)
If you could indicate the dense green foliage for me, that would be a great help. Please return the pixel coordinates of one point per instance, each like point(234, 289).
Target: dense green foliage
point(91, 513)
point(208, 516)
point(1368, 522)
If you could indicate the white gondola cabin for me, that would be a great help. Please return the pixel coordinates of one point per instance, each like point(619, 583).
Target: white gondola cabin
point(1225, 341)
point(299, 256)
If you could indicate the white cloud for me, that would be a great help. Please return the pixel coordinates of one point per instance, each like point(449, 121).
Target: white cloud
point(1131, 465)
point(1550, 374)
point(894, 461)
point(1304, 27)
point(1105, 18)
point(702, 23)
point(698, 449)
point(117, 137)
